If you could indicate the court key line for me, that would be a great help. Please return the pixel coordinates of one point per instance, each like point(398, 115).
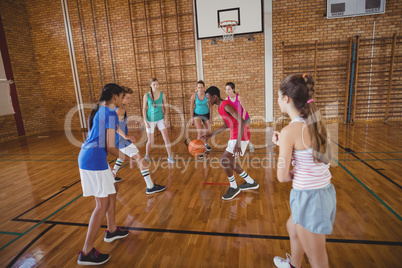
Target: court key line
point(39, 223)
point(371, 192)
point(271, 237)
point(376, 170)
point(29, 245)
point(10, 233)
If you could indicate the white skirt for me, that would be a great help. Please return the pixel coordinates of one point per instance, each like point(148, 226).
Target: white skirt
point(98, 183)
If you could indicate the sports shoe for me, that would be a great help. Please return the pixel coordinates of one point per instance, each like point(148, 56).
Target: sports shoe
point(171, 160)
point(117, 179)
point(281, 262)
point(156, 189)
point(94, 257)
point(207, 147)
point(231, 193)
point(201, 156)
point(146, 158)
point(117, 234)
point(249, 186)
point(251, 147)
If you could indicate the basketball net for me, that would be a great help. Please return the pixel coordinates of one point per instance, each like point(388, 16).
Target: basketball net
point(228, 27)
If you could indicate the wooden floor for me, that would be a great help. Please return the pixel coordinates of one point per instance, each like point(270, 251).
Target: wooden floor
point(44, 216)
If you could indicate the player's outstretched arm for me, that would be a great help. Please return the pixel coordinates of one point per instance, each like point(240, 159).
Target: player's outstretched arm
point(205, 138)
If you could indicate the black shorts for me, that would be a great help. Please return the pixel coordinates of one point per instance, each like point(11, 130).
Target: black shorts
point(204, 117)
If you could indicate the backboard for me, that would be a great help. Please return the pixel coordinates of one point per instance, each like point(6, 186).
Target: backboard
point(209, 13)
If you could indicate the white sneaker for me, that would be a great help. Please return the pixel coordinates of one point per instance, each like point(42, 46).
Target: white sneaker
point(171, 160)
point(146, 157)
point(281, 262)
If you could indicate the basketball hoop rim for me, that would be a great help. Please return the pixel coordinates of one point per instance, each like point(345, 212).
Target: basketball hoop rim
point(228, 28)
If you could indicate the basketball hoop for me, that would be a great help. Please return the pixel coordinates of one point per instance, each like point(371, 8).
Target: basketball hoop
point(228, 27)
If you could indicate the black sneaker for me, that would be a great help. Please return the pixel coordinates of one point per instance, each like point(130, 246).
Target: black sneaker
point(117, 179)
point(201, 156)
point(156, 189)
point(117, 234)
point(94, 257)
point(231, 193)
point(208, 147)
point(249, 186)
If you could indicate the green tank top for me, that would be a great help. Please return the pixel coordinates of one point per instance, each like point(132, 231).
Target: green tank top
point(201, 106)
point(154, 113)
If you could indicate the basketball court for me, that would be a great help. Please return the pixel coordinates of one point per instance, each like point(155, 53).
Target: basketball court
point(45, 217)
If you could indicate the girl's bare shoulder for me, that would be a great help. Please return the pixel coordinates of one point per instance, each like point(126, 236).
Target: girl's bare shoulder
point(120, 111)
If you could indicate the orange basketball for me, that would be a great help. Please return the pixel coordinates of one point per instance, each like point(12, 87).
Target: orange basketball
point(196, 147)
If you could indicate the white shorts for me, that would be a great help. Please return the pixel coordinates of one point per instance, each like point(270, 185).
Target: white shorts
point(130, 150)
point(160, 124)
point(232, 143)
point(99, 183)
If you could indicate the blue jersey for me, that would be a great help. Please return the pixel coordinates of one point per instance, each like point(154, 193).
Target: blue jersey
point(120, 141)
point(93, 151)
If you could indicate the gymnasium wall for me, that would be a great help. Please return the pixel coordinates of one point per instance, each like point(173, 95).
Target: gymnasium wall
point(299, 24)
point(241, 62)
point(21, 50)
point(112, 44)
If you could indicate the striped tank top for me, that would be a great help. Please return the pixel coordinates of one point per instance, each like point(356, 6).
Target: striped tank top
point(307, 173)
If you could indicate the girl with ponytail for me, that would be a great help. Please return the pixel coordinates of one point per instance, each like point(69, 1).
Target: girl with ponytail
point(96, 177)
point(305, 143)
point(153, 104)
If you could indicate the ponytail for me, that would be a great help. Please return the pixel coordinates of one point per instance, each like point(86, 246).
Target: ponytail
point(152, 94)
point(92, 115)
point(300, 88)
point(107, 94)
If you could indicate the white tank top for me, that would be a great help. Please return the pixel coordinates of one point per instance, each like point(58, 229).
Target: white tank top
point(307, 173)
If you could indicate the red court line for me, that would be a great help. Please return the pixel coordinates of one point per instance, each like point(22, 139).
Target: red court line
point(215, 183)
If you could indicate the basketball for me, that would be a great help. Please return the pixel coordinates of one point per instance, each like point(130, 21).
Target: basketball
point(196, 147)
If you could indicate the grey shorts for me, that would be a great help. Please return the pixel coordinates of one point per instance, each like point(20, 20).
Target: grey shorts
point(314, 209)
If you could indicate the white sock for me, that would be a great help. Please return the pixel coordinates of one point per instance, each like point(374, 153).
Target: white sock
point(147, 178)
point(232, 181)
point(117, 165)
point(247, 178)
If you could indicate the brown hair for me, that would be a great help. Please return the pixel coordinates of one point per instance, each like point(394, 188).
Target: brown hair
point(232, 86)
point(201, 82)
point(300, 88)
point(152, 94)
point(127, 90)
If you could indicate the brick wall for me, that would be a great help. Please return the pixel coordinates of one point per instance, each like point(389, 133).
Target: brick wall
point(38, 50)
point(138, 54)
point(25, 70)
point(241, 62)
point(302, 22)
